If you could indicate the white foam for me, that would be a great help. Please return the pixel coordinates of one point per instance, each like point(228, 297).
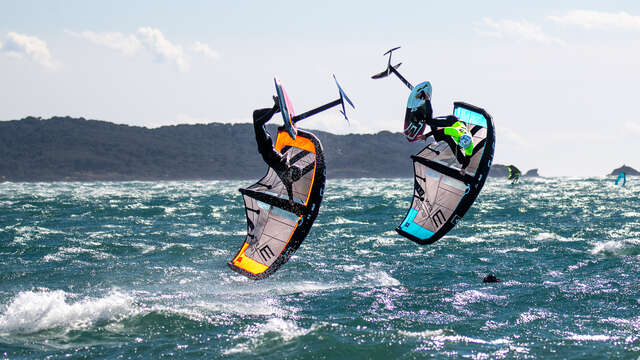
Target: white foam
point(631, 214)
point(67, 253)
point(551, 236)
point(634, 322)
point(608, 247)
point(421, 334)
point(492, 325)
point(27, 233)
point(532, 315)
point(242, 306)
point(471, 240)
point(144, 248)
point(339, 220)
point(237, 285)
point(516, 249)
point(99, 235)
point(352, 268)
point(376, 279)
point(506, 232)
point(180, 245)
point(385, 241)
point(33, 311)
point(217, 252)
point(306, 286)
point(466, 339)
point(473, 296)
point(256, 335)
point(617, 247)
point(590, 337)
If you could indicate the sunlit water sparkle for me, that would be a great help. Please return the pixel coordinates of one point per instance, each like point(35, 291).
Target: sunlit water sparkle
point(138, 270)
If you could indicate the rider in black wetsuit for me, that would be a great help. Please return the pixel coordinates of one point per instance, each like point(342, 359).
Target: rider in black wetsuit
point(273, 158)
point(423, 114)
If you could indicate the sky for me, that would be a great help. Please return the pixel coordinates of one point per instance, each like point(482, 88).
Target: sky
point(559, 78)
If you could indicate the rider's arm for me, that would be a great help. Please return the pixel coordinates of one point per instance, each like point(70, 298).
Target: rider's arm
point(443, 121)
point(271, 156)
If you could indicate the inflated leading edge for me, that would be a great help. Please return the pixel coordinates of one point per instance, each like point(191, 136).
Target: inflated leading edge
point(441, 194)
point(277, 226)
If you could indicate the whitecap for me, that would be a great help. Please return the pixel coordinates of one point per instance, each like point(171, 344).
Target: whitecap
point(552, 236)
point(241, 306)
point(471, 240)
point(473, 296)
point(144, 248)
point(617, 248)
point(579, 337)
point(256, 334)
point(516, 249)
point(421, 334)
point(631, 214)
point(467, 339)
point(532, 315)
point(339, 220)
point(352, 268)
point(385, 241)
point(27, 233)
point(67, 253)
point(172, 245)
point(33, 311)
point(376, 279)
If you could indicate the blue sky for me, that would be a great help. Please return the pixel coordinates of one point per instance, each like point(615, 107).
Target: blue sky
point(559, 78)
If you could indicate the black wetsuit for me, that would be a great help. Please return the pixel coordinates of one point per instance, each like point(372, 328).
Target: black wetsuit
point(274, 159)
point(271, 156)
point(424, 114)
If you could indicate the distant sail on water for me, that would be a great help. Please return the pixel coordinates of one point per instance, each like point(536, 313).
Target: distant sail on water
point(514, 174)
point(621, 177)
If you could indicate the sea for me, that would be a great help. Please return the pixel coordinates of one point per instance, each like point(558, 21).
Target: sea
point(138, 270)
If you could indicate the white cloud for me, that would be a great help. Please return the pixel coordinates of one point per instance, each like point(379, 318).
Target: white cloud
point(162, 48)
point(127, 44)
point(205, 50)
point(20, 46)
point(513, 137)
point(515, 30)
point(633, 127)
point(599, 19)
point(150, 39)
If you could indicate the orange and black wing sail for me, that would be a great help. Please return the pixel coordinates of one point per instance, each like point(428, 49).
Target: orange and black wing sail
point(280, 214)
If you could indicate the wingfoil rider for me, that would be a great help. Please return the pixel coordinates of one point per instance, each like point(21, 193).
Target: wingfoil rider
point(443, 128)
point(271, 156)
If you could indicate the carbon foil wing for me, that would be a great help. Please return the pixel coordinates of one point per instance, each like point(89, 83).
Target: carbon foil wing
point(276, 226)
point(442, 195)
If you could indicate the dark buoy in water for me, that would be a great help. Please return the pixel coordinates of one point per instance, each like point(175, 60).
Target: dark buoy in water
point(490, 279)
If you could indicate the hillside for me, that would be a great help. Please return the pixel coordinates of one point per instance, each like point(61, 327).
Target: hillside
point(625, 169)
point(75, 149)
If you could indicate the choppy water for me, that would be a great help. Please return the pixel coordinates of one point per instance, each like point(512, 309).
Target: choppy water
point(138, 270)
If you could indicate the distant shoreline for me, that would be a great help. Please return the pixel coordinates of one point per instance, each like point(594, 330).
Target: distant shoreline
point(65, 149)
